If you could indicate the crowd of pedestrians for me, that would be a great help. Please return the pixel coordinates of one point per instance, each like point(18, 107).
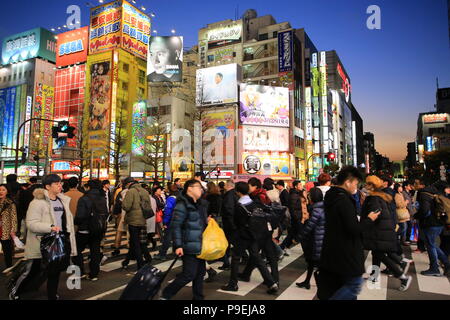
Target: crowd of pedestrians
point(336, 221)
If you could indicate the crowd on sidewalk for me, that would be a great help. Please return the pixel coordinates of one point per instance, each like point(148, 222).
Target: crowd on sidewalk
point(335, 220)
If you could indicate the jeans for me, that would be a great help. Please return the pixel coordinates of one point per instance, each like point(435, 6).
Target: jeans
point(84, 240)
point(445, 244)
point(421, 238)
point(403, 226)
point(167, 240)
point(194, 270)
point(434, 252)
point(137, 247)
point(350, 289)
point(409, 225)
point(8, 250)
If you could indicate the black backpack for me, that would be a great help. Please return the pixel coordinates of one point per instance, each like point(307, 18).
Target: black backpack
point(146, 207)
point(117, 209)
point(97, 220)
point(259, 220)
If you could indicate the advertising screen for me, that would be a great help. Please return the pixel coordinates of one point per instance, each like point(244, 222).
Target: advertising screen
point(217, 85)
point(264, 105)
point(435, 118)
point(135, 31)
point(105, 27)
point(30, 44)
point(138, 128)
point(224, 36)
point(265, 163)
point(165, 59)
point(258, 138)
point(99, 103)
point(7, 109)
point(72, 47)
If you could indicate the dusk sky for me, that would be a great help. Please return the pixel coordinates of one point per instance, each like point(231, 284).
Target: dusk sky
point(393, 70)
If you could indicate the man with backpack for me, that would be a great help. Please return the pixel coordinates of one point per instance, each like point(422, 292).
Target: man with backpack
point(137, 208)
point(432, 222)
point(251, 230)
point(91, 218)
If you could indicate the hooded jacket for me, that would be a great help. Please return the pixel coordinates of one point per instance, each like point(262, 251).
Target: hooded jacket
point(229, 203)
point(189, 220)
point(132, 205)
point(381, 236)
point(261, 196)
point(343, 251)
point(92, 199)
point(40, 218)
point(297, 206)
point(426, 211)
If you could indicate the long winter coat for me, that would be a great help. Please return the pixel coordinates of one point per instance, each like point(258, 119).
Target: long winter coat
point(132, 205)
point(40, 218)
point(343, 251)
point(382, 235)
point(189, 220)
point(314, 229)
point(402, 210)
point(8, 217)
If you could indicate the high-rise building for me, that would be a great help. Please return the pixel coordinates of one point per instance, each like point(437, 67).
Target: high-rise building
point(27, 91)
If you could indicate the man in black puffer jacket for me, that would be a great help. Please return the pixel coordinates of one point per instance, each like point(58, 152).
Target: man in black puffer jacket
point(91, 207)
point(229, 203)
point(189, 220)
point(431, 226)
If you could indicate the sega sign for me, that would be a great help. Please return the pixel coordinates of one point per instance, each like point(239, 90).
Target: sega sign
point(71, 47)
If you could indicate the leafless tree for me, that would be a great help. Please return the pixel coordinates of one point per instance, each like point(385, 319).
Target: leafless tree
point(117, 147)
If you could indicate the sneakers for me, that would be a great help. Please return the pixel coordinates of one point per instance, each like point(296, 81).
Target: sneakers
point(387, 272)
point(104, 258)
point(286, 253)
point(12, 296)
point(405, 283)
point(93, 279)
point(229, 287)
point(431, 273)
point(303, 284)
point(273, 289)
point(405, 266)
point(243, 278)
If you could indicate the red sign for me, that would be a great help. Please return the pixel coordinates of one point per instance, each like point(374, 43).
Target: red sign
point(346, 87)
point(435, 118)
point(72, 47)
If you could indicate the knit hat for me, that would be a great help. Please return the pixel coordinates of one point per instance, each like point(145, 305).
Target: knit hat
point(128, 180)
point(375, 181)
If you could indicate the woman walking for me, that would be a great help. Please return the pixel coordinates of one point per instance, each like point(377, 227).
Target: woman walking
point(8, 225)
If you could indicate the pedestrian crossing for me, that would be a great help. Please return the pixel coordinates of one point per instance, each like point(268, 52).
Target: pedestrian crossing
point(292, 270)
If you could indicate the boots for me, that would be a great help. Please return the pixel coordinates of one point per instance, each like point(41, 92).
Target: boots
point(211, 275)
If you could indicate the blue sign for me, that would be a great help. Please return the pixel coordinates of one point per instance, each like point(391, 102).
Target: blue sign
point(429, 143)
point(71, 47)
point(7, 107)
point(285, 51)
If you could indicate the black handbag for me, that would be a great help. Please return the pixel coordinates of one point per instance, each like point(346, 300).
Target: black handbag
point(55, 250)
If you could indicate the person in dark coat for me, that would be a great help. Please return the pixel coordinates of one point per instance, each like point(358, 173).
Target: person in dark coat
point(189, 220)
point(295, 210)
point(342, 259)
point(381, 238)
point(214, 199)
point(25, 198)
point(431, 226)
point(312, 234)
point(229, 203)
point(284, 194)
point(92, 203)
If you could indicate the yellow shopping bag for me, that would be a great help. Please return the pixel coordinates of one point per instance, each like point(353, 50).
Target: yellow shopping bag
point(214, 244)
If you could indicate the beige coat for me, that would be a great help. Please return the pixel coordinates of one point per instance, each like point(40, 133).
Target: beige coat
point(402, 210)
point(40, 218)
point(74, 196)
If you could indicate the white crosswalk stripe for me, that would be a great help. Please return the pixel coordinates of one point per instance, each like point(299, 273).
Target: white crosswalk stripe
point(440, 285)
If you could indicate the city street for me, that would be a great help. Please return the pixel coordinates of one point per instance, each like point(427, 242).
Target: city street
point(113, 279)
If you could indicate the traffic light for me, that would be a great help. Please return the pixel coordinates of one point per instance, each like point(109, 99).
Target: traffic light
point(331, 157)
point(63, 132)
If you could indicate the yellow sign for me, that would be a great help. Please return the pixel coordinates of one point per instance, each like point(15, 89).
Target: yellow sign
point(105, 27)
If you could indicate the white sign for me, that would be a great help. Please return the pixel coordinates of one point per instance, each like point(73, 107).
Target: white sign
point(257, 138)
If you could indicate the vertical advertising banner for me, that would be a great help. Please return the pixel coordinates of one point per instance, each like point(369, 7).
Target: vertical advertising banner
point(285, 51)
point(105, 27)
point(99, 104)
point(138, 128)
point(47, 113)
point(308, 114)
point(135, 31)
point(7, 106)
point(26, 139)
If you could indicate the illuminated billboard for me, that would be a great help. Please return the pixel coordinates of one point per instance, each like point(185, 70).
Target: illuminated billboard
point(285, 51)
point(119, 24)
point(165, 59)
point(30, 44)
point(265, 163)
point(138, 128)
point(224, 36)
point(260, 138)
point(217, 85)
point(264, 105)
point(435, 118)
point(72, 47)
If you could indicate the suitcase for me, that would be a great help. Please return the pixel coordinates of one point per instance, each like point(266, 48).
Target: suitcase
point(146, 283)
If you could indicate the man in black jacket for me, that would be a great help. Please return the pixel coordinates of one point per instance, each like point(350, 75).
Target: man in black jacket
point(342, 259)
point(245, 239)
point(432, 227)
point(91, 212)
point(228, 209)
point(284, 194)
point(295, 209)
point(25, 198)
